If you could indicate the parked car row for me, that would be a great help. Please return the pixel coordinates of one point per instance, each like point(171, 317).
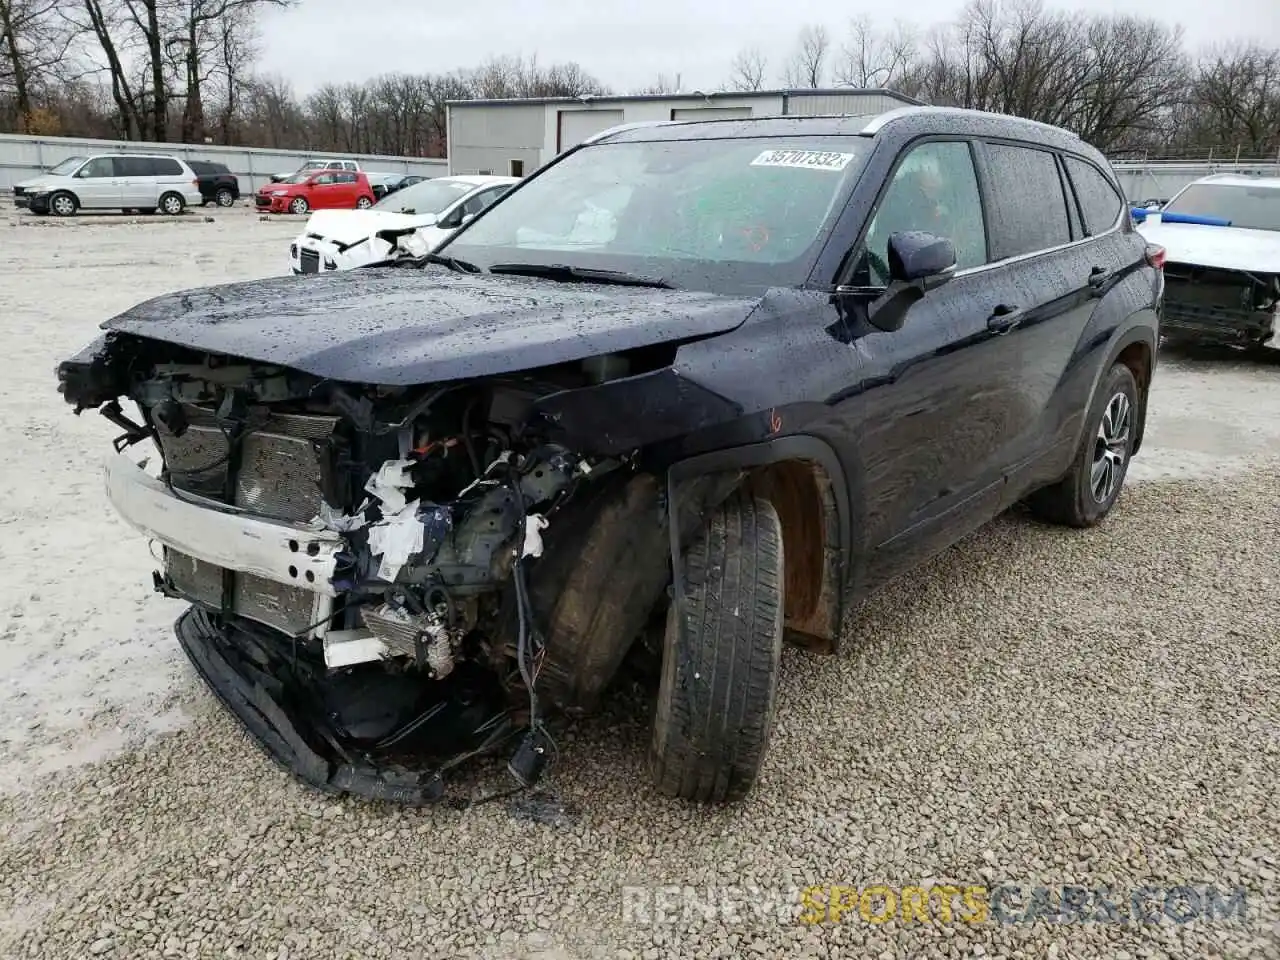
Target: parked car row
point(149, 182)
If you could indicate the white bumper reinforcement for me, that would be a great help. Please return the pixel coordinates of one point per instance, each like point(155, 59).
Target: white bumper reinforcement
point(292, 554)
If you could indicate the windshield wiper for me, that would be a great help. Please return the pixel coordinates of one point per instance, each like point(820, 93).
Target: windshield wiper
point(453, 263)
point(562, 271)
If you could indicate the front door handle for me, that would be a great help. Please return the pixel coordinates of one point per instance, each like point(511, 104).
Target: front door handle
point(1004, 318)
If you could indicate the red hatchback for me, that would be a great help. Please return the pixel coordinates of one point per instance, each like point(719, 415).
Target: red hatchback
point(317, 190)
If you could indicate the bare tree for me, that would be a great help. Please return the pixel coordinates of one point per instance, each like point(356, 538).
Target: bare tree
point(662, 85)
point(748, 69)
point(807, 66)
point(34, 41)
point(870, 58)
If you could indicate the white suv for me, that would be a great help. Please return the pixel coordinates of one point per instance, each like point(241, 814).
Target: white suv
point(111, 181)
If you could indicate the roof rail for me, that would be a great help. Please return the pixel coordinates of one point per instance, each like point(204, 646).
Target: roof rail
point(623, 127)
point(898, 112)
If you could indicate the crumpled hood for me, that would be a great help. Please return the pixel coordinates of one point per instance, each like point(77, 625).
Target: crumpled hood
point(35, 183)
point(398, 326)
point(1227, 248)
point(345, 227)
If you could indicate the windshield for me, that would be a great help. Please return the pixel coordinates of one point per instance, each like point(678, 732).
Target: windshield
point(66, 166)
point(429, 196)
point(1255, 208)
point(706, 214)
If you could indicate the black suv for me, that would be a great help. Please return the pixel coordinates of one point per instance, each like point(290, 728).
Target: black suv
point(689, 391)
point(217, 183)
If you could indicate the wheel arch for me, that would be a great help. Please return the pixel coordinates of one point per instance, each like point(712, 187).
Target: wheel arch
point(804, 480)
point(1136, 346)
point(70, 193)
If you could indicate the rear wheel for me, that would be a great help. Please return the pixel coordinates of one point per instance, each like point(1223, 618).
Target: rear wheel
point(298, 205)
point(1091, 487)
point(172, 204)
point(224, 197)
point(364, 203)
point(720, 666)
point(63, 205)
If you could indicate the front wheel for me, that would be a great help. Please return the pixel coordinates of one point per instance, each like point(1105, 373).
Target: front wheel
point(298, 205)
point(172, 204)
point(1085, 496)
point(63, 205)
point(720, 666)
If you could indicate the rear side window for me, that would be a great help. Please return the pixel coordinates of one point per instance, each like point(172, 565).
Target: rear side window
point(1027, 206)
point(1099, 201)
point(132, 167)
point(166, 167)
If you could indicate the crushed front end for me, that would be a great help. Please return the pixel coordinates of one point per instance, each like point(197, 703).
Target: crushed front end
point(357, 557)
point(1212, 305)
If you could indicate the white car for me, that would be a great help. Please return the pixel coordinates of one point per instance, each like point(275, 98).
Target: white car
point(410, 222)
point(1221, 236)
point(113, 181)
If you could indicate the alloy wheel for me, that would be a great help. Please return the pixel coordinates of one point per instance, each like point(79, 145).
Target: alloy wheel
point(64, 206)
point(1111, 448)
point(225, 199)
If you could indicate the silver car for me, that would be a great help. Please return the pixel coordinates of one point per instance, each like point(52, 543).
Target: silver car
point(112, 181)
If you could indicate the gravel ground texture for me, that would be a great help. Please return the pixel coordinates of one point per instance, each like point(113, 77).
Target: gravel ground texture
point(1036, 707)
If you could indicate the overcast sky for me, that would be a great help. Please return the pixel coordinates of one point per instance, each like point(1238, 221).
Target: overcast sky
point(627, 43)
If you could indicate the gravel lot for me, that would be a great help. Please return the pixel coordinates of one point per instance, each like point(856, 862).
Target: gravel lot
point(1036, 707)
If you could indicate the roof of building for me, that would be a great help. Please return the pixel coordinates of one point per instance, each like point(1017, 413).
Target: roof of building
point(695, 97)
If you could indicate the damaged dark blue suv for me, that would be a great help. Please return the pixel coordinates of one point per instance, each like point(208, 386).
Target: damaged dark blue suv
point(693, 387)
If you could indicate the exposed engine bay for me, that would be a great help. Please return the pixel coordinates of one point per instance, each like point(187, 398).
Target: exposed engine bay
point(1237, 307)
point(408, 620)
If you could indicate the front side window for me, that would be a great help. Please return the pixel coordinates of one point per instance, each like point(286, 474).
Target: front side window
point(1028, 207)
point(482, 201)
point(323, 179)
point(1099, 201)
point(705, 213)
point(1245, 205)
point(935, 190)
point(98, 167)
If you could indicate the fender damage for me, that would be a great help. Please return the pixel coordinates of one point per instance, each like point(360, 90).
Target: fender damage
point(397, 561)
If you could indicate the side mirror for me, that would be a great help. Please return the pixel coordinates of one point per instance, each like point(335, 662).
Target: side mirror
point(916, 256)
point(918, 262)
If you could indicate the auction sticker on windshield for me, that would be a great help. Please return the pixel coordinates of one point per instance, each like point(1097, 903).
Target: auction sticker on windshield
point(808, 159)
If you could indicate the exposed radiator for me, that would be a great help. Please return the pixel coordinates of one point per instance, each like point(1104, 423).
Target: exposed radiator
point(279, 477)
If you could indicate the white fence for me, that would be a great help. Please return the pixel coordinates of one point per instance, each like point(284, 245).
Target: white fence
point(23, 157)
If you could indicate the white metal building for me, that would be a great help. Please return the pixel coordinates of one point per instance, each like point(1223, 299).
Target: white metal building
point(515, 137)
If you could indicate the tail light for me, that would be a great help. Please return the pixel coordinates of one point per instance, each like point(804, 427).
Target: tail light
point(195, 183)
point(1155, 256)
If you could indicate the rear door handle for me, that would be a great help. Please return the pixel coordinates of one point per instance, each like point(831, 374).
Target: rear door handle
point(1100, 278)
point(1003, 319)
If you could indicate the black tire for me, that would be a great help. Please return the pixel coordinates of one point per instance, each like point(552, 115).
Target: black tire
point(224, 197)
point(63, 204)
point(172, 204)
point(1075, 500)
point(720, 673)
